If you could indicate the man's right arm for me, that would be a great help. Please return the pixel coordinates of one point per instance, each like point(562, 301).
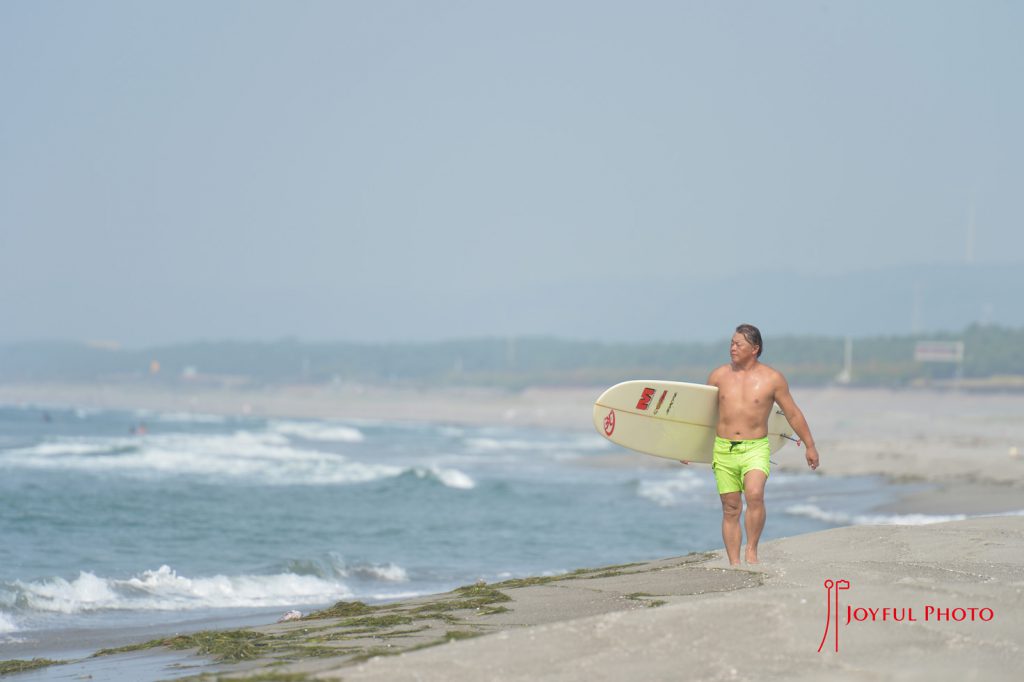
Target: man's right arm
point(796, 419)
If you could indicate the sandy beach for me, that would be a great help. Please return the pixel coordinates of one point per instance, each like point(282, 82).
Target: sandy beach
point(937, 602)
point(692, 617)
point(768, 622)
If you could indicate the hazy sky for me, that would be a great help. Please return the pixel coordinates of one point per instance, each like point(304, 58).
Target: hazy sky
point(433, 169)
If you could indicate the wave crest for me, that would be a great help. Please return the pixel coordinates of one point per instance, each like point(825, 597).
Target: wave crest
point(165, 590)
point(671, 492)
point(450, 478)
point(7, 625)
point(319, 431)
point(260, 457)
point(847, 519)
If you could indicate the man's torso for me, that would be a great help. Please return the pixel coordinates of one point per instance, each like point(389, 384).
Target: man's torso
point(745, 399)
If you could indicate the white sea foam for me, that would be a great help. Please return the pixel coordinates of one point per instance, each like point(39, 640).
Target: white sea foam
point(387, 573)
point(180, 417)
point(390, 573)
point(495, 443)
point(251, 456)
point(56, 448)
point(846, 519)
point(320, 431)
point(165, 590)
point(86, 412)
point(7, 624)
point(500, 449)
point(452, 478)
point(671, 492)
point(259, 456)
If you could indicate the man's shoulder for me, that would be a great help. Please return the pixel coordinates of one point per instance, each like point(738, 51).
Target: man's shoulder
point(716, 373)
point(773, 374)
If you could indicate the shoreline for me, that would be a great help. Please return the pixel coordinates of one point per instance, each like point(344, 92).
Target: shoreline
point(644, 620)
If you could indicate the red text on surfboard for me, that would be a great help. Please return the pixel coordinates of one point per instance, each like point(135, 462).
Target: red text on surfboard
point(645, 399)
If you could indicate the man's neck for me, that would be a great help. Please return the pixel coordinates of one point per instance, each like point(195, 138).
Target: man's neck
point(744, 367)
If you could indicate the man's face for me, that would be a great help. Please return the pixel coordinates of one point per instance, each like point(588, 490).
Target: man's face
point(740, 349)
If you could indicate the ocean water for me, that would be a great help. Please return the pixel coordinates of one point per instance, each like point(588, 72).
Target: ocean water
point(114, 522)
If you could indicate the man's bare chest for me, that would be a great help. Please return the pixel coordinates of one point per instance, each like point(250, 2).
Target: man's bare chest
point(741, 394)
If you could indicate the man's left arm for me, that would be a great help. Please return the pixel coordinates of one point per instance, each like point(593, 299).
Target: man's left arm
point(797, 420)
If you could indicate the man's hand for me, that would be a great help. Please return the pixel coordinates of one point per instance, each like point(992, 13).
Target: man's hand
point(812, 457)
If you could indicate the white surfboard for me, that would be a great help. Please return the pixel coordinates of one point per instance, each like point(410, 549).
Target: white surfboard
point(671, 419)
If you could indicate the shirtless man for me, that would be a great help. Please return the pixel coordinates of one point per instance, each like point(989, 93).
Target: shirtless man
point(746, 391)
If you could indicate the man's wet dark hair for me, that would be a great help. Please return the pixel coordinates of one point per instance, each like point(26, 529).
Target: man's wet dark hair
point(753, 336)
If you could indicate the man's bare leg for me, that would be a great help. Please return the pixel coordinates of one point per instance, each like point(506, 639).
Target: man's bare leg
point(753, 491)
point(732, 534)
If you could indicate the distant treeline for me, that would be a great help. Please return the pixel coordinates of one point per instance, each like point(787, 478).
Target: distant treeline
point(512, 363)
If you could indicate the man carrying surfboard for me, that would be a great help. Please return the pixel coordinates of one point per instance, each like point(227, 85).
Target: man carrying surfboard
point(747, 391)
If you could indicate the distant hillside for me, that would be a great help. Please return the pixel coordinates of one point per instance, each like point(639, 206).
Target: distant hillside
point(631, 305)
point(643, 306)
point(513, 363)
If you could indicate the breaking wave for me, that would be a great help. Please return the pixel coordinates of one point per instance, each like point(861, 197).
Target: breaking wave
point(7, 625)
point(258, 457)
point(488, 443)
point(671, 492)
point(451, 478)
point(319, 431)
point(848, 519)
point(165, 590)
point(180, 417)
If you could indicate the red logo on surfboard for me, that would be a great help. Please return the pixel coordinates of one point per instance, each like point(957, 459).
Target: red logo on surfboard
point(609, 423)
point(646, 398)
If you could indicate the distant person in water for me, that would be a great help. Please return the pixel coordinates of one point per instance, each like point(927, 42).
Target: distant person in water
point(747, 390)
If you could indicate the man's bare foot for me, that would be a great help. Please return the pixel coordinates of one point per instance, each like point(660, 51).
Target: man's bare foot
point(751, 556)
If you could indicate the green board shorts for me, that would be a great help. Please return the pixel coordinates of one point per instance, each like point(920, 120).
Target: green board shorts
point(734, 458)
